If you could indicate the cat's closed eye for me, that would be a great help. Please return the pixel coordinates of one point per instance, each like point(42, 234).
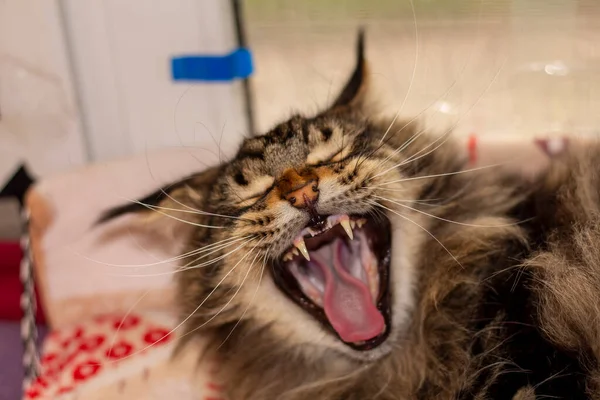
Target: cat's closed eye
point(325, 156)
point(254, 189)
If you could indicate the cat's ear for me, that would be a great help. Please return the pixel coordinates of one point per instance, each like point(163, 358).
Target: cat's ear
point(354, 95)
point(173, 202)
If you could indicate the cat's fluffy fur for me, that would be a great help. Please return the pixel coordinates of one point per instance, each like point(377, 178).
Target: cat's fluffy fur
point(499, 283)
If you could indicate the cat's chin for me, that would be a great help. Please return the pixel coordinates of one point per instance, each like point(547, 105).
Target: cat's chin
point(338, 271)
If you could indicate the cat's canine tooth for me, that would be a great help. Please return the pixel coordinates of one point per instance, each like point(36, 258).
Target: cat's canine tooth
point(300, 245)
point(345, 222)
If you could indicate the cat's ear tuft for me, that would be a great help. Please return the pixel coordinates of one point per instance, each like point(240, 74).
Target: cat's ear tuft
point(353, 95)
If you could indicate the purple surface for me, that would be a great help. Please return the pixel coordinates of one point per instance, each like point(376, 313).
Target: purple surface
point(11, 354)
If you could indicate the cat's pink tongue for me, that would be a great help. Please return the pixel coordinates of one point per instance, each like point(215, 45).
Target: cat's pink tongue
point(347, 301)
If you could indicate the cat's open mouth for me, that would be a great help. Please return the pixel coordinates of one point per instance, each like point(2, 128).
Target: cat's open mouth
point(338, 271)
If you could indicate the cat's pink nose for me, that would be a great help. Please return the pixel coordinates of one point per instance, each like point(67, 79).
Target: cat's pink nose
point(300, 189)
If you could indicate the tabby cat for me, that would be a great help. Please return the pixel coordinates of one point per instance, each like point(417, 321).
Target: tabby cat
point(345, 256)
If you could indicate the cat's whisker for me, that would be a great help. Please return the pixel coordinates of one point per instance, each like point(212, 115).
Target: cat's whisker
point(123, 319)
point(180, 324)
point(168, 260)
point(192, 210)
point(215, 289)
point(153, 208)
point(446, 135)
point(204, 264)
point(426, 202)
point(462, 171)
point(239, 287)
point(463, 69)
point(414, 71)
point(152, 175)
point(444, 219)
point(188, 266)
point(418, 115)
point(217, 143)
point(413, 119)
point(262, 270)
point(420, 226)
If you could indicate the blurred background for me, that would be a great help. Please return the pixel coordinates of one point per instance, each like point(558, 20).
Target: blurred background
point(90, 81)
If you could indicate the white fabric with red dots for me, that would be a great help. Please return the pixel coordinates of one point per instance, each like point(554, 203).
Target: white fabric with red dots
point(115, 357)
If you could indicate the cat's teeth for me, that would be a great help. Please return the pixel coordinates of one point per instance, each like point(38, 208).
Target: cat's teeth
point(288, 257)
point(361, 222)
point(300, 245)
point(295, 252)
point(352, 223)
point(345, 222)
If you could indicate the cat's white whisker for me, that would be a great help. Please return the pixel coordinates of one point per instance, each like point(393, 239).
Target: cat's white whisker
point(239, 287)
point(262, 271)
point(157, 210)
point(426, 202)
point(435, 101)
point(420, 226)
point(231, 299)
point(188, 266)
point(123, 319)
point(204, 264)
point(196, 309)
point(462, 171)
point(446, 135)
point(168, 260)
point(414, 71)
point(190, 210)
point(445, 219)
point(417, 116)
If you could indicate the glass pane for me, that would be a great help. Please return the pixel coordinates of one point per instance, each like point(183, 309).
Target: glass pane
point(486, 66)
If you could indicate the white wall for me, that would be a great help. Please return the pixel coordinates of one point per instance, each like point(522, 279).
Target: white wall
point(121, 55)
point(39, 120)
point(91, 81)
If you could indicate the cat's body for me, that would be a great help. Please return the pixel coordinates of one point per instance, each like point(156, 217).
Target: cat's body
point(488, 286)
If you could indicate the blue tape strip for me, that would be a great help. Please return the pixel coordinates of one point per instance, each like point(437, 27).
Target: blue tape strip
point(237, 65)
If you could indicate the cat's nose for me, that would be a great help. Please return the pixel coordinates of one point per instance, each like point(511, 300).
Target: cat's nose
point(304, 196)
point(300, 189)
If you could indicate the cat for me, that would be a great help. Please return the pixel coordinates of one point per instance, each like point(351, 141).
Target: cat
point(344, 255)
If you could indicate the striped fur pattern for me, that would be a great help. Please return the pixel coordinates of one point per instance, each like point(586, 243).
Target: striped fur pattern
point(495, 281)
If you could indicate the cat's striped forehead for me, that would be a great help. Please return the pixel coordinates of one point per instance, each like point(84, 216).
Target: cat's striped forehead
point(293, 144)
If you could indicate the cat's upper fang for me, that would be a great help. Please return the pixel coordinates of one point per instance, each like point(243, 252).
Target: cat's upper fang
point(344, 220)
point(332, 221)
